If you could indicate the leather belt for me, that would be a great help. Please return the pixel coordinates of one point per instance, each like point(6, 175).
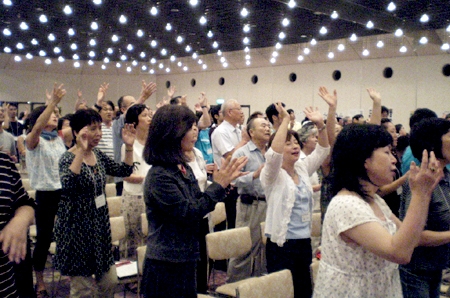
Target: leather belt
point(248, 199)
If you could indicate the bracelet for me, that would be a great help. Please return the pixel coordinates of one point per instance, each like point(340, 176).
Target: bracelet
point(322, 128)
point(97, 107)
point(129, 150)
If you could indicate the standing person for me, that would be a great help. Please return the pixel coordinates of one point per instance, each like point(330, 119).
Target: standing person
point(288, 190)
point(17, 210)
point(175, 205)
point(82, 230)
point(12, 124)
point(422, 276)
point(106, 143)
point(133, 204)
point(7, 143)
point(251, 206)
point(293, 125)
point(44, 149)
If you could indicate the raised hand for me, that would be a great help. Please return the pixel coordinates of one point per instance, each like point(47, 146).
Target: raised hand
point(171, 91)
point(313, 114)
point(147, 90)
point(230, 170)
point(202, 100)
point(330, 99)
point(102, 93)
point(183, 100)
point(374, 95)
point(129, 134)
point(48, 95)
point(425, 178)
point(282, 113)
point(81, 140)
point(58, 93)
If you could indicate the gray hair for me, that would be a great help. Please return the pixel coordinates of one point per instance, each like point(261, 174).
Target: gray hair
point(307, 130)
point(227, 105)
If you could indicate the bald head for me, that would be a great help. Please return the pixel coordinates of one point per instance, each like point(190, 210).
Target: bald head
point(232, 111)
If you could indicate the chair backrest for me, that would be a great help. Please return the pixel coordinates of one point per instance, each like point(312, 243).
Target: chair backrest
point(263, 234)
point(229, 243)
point(26, 184)
point(114, 206)
point(316, 225)
point(314, 269)
point(141, 251)
point(219, 214)
point(110, 190)
point(144, 224)
point(275, 285)
point(117, 228)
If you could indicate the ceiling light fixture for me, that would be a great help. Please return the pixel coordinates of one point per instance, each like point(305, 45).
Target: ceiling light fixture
point(71, 32)
point(97, 2)
point(273, 60)
point(278, 46)
point(423, 40)
point(292, 3)
point(391, 6)
point(172, 58)
point(313, 42)
point(282, 35)
point(110, 51)
point(75, 57)
point(23, 26)
point(275, 54)
point(76, 64)
point(118, 65)
point(94, 26)
point(219, 53)
point(369, 25)
point(90, 62)
point(115, 38)
point(92, 54)
point(246, 40)
point(247, 57)
point(67, 10)
point(246, 28)
point(179, 39)
point(19, 46)
point(210, 34)
point(103, 67)
point(51, 37)
point(306, 51)
point(153, 61)
point(29, 56)
point(323, 30)
point(106, 60)
point(152, 71)
point(445, 46)
point(341, 47)
point(168, 27)
point(61, 59)
point(17, 58)
point(42, 53)
point(140, 33)
point(194, 56)
point(73, 46)
point(222, 59)
point(244, 12)
point(330, 55)
point(202, 20)
point(57, 50)
point(128, 68)
point(246, 50)
point(161, 66)
point(247, 62)
point(134, 63)
point(380, 44)
point(144, 68)
point(334, 15)
point(200, 61)
point(188, 48)
point(153, 43)
point(122, 19)
point(6, 32)
point(353, 37)
point(7, 2)
point(398, 32)
point(285, 22)
point(142, 54)
point(92, 42)
point(7, 49)
point(215, 45)
point(204, 66)
point(193, 2)
point(48, 61)
point(163, 52)
point(130, 47)
point(225, 64)
point(424, 18)
point(365, 52)
point(154, 11)
point(34, 41)
point(123, 57)
point(403, 49)
point(43, 18)
point(167, 69)
point(185, 68)
point(300, 58)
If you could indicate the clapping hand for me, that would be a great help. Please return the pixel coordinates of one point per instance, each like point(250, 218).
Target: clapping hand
point(425, 178)
point(129, 134)
point(330, 99)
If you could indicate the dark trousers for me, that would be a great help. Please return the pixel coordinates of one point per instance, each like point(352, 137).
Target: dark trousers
point(119, 188)
point(45, 212)
point(163, 279)
point(295, 255)
point(230, 206)
point(24, 275)
point(420, 283)
point(202, 265)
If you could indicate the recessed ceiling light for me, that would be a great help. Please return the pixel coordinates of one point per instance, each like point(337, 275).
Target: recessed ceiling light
point(34, 42)
point(365, 52)
point(6, 32)
point(51, 37)
point(380, 44)
point(23, 26)
point(144, 68)
point(110, 51)
point(188, 48)
point(94, 26)
point(118, 65)
point(292, 3)
point(248, 62)
point(161, 66)
point(210, 34)
point(42, 53)
point(168, 27)
point(285, 22)
point(92, 42)
point(423, 40)
point(225, 64)
point(193, 2)
point(398, 32)
point(204, 66)
point(247, 57)
point(75, 57)
point(330, 55)
point(67, 10)
point(142, 55)
point(7, 49)
point(323, 30)
point(275, 54)
point(48, 61)
point(90, 62)
point(123, 57)
point(369, 25)
point(154, 11)
point(57, 50)
point(106, 60)
point(202, 20)
point(76, 64)
point(341, 47)
point(91, 54)
point(244, 12)
point(71, 32)
point(313, 41)
point(403, 49)
point(19, 46)
point(134, 63)
point(334, 14)
point(29, 56)
point(167, 69)
point(219, 52)
point(61, 59)
point(273, 60)
point(17, 58)
point(215, 45)
point(246, 28)
point(222, 59)
point(153, 61)
point(140, 33)
point(122, 19)
point(445, 46)
point(300, 58)
point(246, 50)
point(163, 52)
point(194, 56)
point(200, 61)
point(114, 38)
point(282, 35)
point(278, 46)
point(7, 2)
point(128, 68)
point(185, 68)
point(152, 71)
point(43, 18)
point(130, 47)
point(306, 51)
point(103, 67)
point(172, 58)
point(97, 2)
point(424, 18)
point(448, 28)
point(391, 6)
point(153, 43)
point(353, 37)
point(246, 40)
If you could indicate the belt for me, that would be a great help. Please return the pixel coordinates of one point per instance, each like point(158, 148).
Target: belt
point(248, 199)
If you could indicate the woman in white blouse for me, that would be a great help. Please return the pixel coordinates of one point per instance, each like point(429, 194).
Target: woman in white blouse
point(285, 180)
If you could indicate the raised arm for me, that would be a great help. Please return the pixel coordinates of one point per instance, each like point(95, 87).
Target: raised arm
point(101, 95)
point(32, 139)
point(376, 109)
point(146, 91)
point(205, 120)
point(331, 100)
point(280, 136)
point(316, 117)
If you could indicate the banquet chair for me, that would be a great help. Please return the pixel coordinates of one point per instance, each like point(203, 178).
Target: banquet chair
point(114, 206)
point(110, 190)
point(274, 285)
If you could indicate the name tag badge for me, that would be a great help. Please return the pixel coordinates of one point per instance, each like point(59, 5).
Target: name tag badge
point(100, 201)
point(306, 217)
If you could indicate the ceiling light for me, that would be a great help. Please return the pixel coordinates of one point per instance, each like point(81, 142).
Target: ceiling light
point(94, 26)
point(92, 42)
point(185, 68)
point(210, 34)
point(424, 18)
point(334, 14)
point(76, 64)
point(97, 2)
point(23, 26)
point(29, 56)
point(285, 22)
point(330, 55)
point(140, 33)
point(200, 61)
point(247, 62)
point(179, 39)
point(75, 57)
point(306, 51)
point(179, 64)
point(118, 65)
point(67, 10)
point(247, 57)
point(403, 49)
point(128, 69)
point(246, 50)
point(110, 51)
point(71, 32)
point(365, 52)
point(115, 38)
point(153, 61)
point(323, 30)
point(273, 60)
point(193, 2)
point(163, 52)
point(151, 71)
point(142, 54)
point(123, 57)
point(167, 69)
point(172, 58)
point(278, 46)
point(246, 28)
point(19, 46)
point(51, 37)
point(144, 68)
point(215, 45)
point(341, 47)
point(34, 41)
point(225, 64)
point(122, 19)
point(42, 53)
point(153, 11)
point(106, 60)
point(445, 46)
point(48, 61)
point(43, 18)
point(90, 62)
point(275, 54)
point(6, 32)
point(130, 47)
point(202, 20)
point(423, 40)
point(353, 37)
point(204, 66)
point(61, 59)
point(219, 52)
point(380, 44)
point(194, 56)
point(246, 40)
point(391, 6)
point(188, 48)
point(300, 58)
point(369, 25)
point(153, 43)
point(74, 46)
point(313, 42)
point(17, 58)
point(222, 59)
point(168, 27)
point(103, 67)
point(292, 3)
point(92, 54)
point(282, 35)
point(57, 50)
point(244, 12)
point(161, 66)
point(7, 2)
point(7, 49)
point(398, 32)
point(448, 28)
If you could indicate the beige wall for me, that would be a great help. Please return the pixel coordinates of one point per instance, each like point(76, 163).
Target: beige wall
point(417, 82)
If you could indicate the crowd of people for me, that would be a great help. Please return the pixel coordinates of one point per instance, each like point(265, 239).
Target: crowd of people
point(383, 195)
